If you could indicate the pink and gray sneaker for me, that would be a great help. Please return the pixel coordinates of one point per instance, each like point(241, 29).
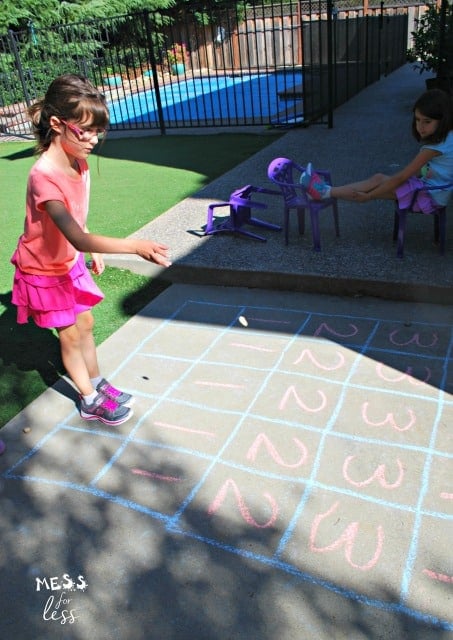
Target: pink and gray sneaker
point(105, 410)
point(315, 185)
point(111, 392)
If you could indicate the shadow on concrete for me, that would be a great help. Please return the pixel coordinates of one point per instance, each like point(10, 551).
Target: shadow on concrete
point(24, 349)
point(146, 582)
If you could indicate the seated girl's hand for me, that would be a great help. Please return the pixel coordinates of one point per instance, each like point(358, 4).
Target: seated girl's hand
point(153, 252)
point(98, 263)
point(360, 196)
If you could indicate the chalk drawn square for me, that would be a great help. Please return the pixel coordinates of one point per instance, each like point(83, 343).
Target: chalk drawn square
point(70, 456)
point(297, 400)
point(412, 337)
point(206, 314)
point(153, 477)
point(391, 475)
point(207, 386)
point(448, 386)
point(430, 579)
point(154, 375)
point(439, 492)
point(399, 373)
point(315, 357)
point(272, 319)
point(247, 349)
point(347, 330)
point(387, 417)
point(180, 340)
point(444, 435)
point(239, 510)
point(357, 545)
point(273, 450)
point(197, 430)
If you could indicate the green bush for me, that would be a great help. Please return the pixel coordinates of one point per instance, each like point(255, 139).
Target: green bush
point(432, 41)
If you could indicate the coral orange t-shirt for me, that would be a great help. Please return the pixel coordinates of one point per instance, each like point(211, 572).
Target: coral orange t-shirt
point(42, 248)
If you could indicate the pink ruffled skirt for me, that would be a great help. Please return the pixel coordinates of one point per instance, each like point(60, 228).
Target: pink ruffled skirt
point(54, 301)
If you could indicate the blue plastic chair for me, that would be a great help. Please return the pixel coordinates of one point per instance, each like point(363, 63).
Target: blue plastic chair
point(286, 174)
point(439, 215)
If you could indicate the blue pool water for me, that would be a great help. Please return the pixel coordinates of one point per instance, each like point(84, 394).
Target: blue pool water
point(216, 98)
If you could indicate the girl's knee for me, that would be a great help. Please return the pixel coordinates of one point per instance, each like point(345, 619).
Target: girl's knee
point(69, 336)
point(85, 321)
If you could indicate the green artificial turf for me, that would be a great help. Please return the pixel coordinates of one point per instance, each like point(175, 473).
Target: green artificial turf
point(133, 180)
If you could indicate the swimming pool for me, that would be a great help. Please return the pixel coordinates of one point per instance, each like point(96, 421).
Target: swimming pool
point(239, 99)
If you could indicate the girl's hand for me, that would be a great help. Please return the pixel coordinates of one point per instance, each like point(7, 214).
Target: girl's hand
point(360, 196)
point(153, 252)
point(98, 263)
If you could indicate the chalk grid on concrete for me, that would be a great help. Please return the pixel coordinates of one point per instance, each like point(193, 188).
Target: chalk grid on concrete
point(315, 443)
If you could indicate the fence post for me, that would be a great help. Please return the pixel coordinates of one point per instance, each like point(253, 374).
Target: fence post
point(20, 71)
point(153, 61)
point(382, 62)
point(330, 64)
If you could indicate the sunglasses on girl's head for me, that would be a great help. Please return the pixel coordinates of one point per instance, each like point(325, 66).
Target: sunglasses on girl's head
point(83, 133)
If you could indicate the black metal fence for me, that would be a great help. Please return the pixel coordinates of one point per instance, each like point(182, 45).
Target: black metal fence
point(278, 64)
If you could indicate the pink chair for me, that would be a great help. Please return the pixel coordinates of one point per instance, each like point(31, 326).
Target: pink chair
point(286, 174)
point(439, 216)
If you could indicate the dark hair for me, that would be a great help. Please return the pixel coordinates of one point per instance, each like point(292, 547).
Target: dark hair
point(71, 97)
point(437, 105)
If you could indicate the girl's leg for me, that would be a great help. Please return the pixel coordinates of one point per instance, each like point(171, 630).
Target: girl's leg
point(346, 192)
point(85, 323)
point(78, 352)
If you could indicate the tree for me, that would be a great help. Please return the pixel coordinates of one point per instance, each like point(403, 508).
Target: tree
point(432, 42)
point(17, 16)
point(14, 15)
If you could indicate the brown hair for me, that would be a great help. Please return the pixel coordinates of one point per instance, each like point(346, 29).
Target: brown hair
point(437, 105)
point(71, 97)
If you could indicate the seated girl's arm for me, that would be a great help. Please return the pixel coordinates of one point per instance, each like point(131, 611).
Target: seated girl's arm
point(91, 243)
point(412, 169)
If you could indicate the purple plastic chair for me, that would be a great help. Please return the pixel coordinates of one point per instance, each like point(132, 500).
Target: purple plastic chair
point(285, 174)
point(240, 209)
point(440, 221)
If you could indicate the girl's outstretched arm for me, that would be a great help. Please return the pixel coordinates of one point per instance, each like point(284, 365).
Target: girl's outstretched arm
point(92, 243)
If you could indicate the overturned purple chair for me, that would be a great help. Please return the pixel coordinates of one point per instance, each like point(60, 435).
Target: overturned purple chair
point(286, 174)
point(240, 207)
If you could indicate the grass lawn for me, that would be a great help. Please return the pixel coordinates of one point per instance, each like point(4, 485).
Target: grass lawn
point(133, 180)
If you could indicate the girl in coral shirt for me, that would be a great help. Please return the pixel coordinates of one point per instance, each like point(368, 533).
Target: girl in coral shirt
point(52, 284)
